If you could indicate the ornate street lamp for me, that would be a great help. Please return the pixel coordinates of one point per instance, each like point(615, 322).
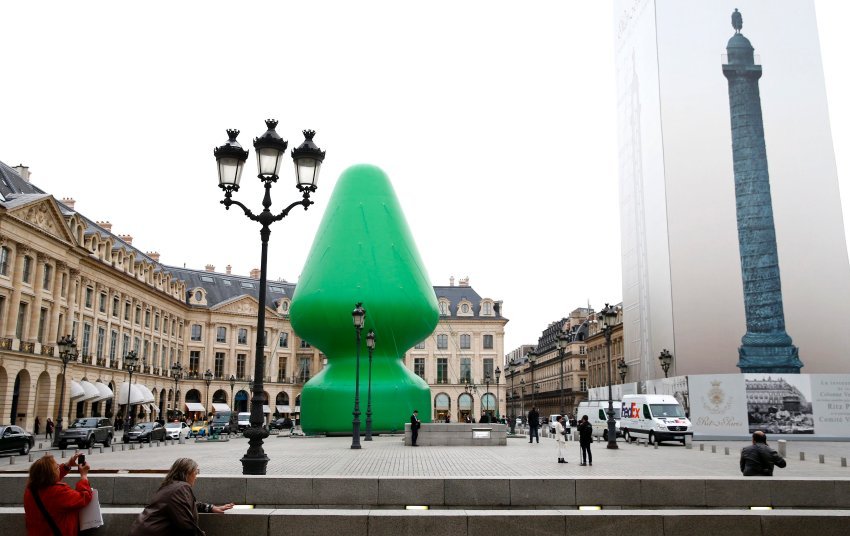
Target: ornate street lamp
point(487, 395)
point(176, 373)
point(232, 402)
point(562, 342)
point(230, 159)
point(130, 362)
point(666, 359)
point(522, 396)
point(532, 357)
point(370, 344)
point(208, 376)
point(67, 353)
point(498, 412)
point(358, 316)
point(608, 316)
point(623, 369)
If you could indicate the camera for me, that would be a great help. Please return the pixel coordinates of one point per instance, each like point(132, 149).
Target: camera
point(81, 459)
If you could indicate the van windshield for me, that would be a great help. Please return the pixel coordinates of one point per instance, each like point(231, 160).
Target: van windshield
point(660, 411)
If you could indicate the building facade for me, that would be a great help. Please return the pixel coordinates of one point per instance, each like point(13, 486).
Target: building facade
point(64, 274)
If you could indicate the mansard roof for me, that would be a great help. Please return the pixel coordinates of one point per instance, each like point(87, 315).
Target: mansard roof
point(12, 183)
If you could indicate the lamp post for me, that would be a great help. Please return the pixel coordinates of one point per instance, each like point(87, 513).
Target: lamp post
point(358, 315)
point(562, 346)
point(487, 396)
point(130, 361)
point(208, 376)
point(607, 316)
point(666, 359)
point(370, 344)
point(522, 396)
point(498, 408)
point(67, 353)
point(623, 369)
point(531, 357)
point(176, 373)
point(230, 159)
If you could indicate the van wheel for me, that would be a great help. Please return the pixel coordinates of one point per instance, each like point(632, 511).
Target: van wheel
point(651, 439)
point(25, 449)
point(626, 437)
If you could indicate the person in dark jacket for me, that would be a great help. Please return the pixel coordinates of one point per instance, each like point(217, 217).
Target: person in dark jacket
point(758, 459)
point(415, 423)
point(585, 439)
point(173, 508)
point(533, 424)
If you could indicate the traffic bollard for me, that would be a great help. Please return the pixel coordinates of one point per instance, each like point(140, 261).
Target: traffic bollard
point(30, 457)
point(782, 447)
point(802, 456)
point(726, 451)
point(655, 446)
point(101, 450)
point(89, 451)
point(713, 449)
point(843, 462)
point(689, 442)
point(62, 454)
point(113, 448)
point(702, 447)
point(821, 458)
point(11, 460)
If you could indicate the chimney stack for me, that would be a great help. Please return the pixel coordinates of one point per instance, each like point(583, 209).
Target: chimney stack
point(464, 282)
point(23, 171)
point(105, 225)
point(68, 202)
point(255, 273)
point(127, 238)
point(228, 268)
point(452, 281)
point(210, 268)
point(154, 255)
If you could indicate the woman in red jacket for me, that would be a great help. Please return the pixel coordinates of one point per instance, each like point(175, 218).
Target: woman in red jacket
point(61, 503)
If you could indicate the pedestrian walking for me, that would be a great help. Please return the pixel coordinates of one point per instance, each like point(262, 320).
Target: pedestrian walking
point(533, 423)
point(758, 459)
point(48, 429)
point(585, 439)
point(36, 427)
point(415, 423)
point(561, 438)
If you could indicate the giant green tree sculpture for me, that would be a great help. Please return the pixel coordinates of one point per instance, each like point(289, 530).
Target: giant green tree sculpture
point(363, 252)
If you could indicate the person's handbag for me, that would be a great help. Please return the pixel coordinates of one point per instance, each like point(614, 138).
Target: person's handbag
point(90, 515)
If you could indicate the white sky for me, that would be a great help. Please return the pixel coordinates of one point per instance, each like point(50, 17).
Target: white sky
point(496, 124)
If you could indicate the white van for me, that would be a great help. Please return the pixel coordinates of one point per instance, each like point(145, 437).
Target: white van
point(597, 414)
point(553, 420)
point(655, 417)
point(243, 420)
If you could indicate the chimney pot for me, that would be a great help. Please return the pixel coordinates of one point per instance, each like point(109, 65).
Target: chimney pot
point(127, 238)
point(154, 255)
point(464, 282)
point(68, 202)
point(255, 273)
point(210, 268)
point(452, 281)
point(105, 225)
point(228, 268)
point(23, 171)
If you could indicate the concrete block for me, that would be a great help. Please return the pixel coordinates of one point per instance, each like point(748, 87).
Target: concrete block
point(736, 493)
point(414, 523)
point(679, 492)
point(489, 522)
point(795, 523)
point(802, 456)
point(543, 492)
point(255, 522)
point(821, 458)
point(345, 491)
point(309, 523)
point(611, 523)
point(608, 492)
point(842, 494)
point(135, 490)
point(220, 489)
point(477, 492)
point(705, 523)
point(117, 520)
point(12, 520)
point(279, 492)
point(12, 490)
point(802, 493)
point(411, 491)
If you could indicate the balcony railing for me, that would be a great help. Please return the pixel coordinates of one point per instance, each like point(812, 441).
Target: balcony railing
point(86, 360)
point(28, 347)
point(46, 349)
point(101, 361)
point(5, 343)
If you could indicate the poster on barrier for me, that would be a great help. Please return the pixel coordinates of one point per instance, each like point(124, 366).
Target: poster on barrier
point(718, 404)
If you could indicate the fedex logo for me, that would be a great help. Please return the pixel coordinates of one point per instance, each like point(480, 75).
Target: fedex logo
point(630, 411)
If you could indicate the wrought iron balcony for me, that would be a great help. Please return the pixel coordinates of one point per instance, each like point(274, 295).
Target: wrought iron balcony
point(28, 347)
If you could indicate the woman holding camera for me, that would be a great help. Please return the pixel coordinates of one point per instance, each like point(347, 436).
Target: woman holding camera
point(50, 505)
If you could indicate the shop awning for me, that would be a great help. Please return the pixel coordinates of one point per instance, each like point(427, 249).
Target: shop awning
point(266, 409)
point(297, 409)
point(77, 390)
point(147, 408)
point(147, 392)
point(91, 392)
point(154, 407)
point(284, 409)
point(219, 406)
point(133, 392)
point(104, 390)
point(195, 406)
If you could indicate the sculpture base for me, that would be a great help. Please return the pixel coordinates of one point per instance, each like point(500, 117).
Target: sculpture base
point(769, 359)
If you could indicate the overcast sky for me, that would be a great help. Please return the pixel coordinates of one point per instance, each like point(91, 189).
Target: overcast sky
point(496, 124)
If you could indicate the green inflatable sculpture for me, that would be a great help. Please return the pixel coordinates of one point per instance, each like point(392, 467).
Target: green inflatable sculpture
point(363, 252)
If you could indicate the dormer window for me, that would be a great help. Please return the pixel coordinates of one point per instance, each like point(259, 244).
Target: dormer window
point(444, 307)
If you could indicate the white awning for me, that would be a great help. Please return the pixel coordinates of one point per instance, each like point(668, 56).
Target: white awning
point(133, 392)
point(219, 406)
point(92, 394)
point(154, 407)
point(147, 392)
point(195, 406)
point(297, 409)
point(77, 390)
point(147, 408)
point(104, 390)
point(284, 409)
point(266, 409)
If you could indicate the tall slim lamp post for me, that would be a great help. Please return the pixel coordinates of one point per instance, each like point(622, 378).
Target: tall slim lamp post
point(607, 316)
point(370, 344)
point(230, 159)
point(562, 346)
point(487, 395)
point(532, 356)
point(232, 402)
point(130, 361)
point(358, 316)
point(176, 373)
point(208, 376)
point(498, 406)
point(67, 353)
point(666, 359)
point(522, 396)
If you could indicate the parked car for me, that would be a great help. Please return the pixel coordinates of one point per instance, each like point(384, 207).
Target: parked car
point(196, 428)
point(176, 430)
point(87, 431)
point(221, 423)
point(284, 423)
point(15, 438)
point(147, 432)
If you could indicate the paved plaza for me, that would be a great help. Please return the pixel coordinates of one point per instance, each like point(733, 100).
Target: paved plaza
point(387, 456)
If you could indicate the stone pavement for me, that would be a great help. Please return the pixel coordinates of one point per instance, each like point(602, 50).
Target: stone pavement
point(387, 456)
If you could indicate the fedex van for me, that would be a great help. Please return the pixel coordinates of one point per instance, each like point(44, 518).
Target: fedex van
point(597, 415)
point(655, 417)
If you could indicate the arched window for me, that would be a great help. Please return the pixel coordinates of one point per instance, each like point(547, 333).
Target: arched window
point(442, 402)
point(488, 404)
point(464, 402)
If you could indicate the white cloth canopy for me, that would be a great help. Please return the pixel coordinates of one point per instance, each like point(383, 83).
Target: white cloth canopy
point(266, 409)
point(297, 409)
point(219, 406)
point(104, 390)
point(77, 390)
point(154, 407)
point(91, 392)
point(136, 395)
point(284, 409)
point(195, 406)
point(147, 392)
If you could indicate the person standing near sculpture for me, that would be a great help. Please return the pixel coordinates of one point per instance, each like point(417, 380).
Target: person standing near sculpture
point(759, 459)
point(533, 424)
point(561, 438)
point(585, 439)
point(414, 427)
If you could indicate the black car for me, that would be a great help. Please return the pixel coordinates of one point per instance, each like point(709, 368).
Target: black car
point(281, 424)
point(147, 432)
point(15, 438)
